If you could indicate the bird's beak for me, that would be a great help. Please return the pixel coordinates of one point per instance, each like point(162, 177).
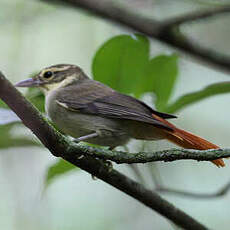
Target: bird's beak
point(30, 82)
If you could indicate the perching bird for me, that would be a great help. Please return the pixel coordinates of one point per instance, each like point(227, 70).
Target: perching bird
point(93, 112)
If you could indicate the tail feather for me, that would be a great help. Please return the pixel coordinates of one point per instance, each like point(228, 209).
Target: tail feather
point(188, 140)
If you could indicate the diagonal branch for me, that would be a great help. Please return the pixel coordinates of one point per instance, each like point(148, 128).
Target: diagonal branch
point(165, 32)
point(62, 147)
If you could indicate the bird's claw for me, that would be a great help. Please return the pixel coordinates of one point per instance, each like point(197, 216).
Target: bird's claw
point(76, 140)
point(109, 165)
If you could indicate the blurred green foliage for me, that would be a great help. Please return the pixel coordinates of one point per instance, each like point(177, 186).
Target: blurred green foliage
point(3, 105)
point(37, 98)
point(7, 139)
point(59, 168)
point(191, 98)
point(162, 72)
point(124, 63)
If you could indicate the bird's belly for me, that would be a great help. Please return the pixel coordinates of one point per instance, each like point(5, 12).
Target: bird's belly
point(111, 132)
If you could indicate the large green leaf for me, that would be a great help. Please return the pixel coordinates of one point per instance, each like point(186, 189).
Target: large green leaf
point(124, 64)
point(162, 72)
point(190, 98)
point(57, 169)
point(120, 63)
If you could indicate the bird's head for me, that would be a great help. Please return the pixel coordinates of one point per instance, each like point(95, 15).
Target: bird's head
point(54, 77)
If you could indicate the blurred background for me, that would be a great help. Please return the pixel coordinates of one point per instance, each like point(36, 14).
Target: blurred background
point(34, 35)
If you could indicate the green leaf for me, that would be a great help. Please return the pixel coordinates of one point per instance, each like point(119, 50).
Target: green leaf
point(57, 169)
point(3, 105)
point(120, 63)
point(162, 72)
point(191, 98)
point(124, 64)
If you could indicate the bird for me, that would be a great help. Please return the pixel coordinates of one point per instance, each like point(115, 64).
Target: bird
point(95, 113)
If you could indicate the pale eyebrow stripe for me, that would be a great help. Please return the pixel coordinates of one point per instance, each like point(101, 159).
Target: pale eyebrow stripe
point(55, 69)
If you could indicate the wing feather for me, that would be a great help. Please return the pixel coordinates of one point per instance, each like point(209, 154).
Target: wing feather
point(101, 100)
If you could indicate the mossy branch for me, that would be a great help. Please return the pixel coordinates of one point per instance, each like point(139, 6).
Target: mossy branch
point(163, 155)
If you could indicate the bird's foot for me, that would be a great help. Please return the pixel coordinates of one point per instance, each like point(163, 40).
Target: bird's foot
point(75, 140)
point(108, 164)
point(93, 177)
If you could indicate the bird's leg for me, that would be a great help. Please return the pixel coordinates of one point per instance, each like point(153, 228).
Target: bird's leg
point(83, 138)
point(108, 164)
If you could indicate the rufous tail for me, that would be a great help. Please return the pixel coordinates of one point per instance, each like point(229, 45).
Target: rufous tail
point(188, 140)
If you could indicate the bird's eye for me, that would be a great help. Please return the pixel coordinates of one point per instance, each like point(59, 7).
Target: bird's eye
point(48, 74)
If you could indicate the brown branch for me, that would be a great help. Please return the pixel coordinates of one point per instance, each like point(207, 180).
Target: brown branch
point(165, 32)
point(61, 146)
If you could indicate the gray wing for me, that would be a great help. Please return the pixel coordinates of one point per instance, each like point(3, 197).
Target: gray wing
point(101, 100)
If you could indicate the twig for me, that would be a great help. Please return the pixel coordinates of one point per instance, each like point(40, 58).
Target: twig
point(195, 16)
point(221, 192)
point(162, 31)
point(163, 155)
point(61, 146)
